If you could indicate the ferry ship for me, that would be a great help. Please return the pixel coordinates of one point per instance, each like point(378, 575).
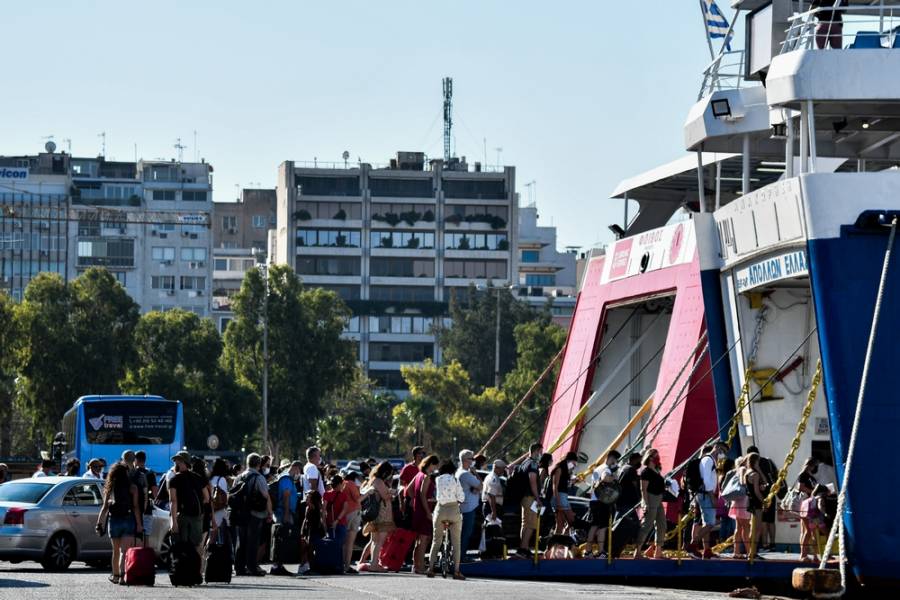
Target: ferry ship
point(741, 299)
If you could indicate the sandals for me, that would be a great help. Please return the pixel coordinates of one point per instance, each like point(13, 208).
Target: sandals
point(113, 579)
point(459, 577)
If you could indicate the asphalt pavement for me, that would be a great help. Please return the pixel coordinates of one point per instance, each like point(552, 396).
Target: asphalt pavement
point(28, 581)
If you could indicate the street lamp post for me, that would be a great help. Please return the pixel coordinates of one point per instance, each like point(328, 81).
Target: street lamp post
point(264, 270)
point(499, 290)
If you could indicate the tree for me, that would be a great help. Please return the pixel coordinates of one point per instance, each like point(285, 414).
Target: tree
point(470, 340)
point(9, 340)
point(307, 357)
point(76, 340)
point(177, 357)
point(356, 421)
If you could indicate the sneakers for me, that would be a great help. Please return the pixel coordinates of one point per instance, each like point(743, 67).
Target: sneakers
point(279, 570)
point(303, 570)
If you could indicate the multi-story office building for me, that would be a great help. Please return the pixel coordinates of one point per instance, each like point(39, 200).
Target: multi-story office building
point(34, 201)
point(545, 274)
point(395, 243)
point(147, 222)
point(240, 240)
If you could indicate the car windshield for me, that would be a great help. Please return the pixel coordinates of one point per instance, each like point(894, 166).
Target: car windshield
point(24, 492)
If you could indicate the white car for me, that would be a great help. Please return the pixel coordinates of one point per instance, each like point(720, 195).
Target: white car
point(52, 520)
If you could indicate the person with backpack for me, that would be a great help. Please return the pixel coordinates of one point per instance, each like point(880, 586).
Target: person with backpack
point(283, 492)
point(653, 484)
point(702, 483)
point(420, 491)
point(523, 488)
point(121, 507)
point(559, 483)
point(603, 478)
point(188, 495)
point(767, 526)
point(250, 507)
point(379, 488)
point(218, 481)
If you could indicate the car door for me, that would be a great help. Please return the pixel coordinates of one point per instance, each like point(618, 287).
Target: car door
point(82, 505)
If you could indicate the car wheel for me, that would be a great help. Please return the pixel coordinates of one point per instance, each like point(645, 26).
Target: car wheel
point(165, 546)
point(60, 553)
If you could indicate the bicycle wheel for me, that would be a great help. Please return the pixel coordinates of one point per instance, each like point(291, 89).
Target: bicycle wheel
point(445, 556)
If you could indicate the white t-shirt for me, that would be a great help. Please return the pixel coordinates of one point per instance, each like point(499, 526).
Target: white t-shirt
point(90, 475)
point(599, 474)
point(311, 472)
point(708, 473)
point(493, 486)
point(39, 474)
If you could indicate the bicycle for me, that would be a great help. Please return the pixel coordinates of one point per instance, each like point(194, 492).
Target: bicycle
point(447, 566)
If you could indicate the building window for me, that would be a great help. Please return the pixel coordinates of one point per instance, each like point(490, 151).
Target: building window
point(164, 195)
point(401, 188)
point(401, 239)
point(220, 264)
point(401, 293)
point(340, 211)
point(229, 223)
point(401, 267)
point(328, 237)
point(165, 227)
point(346, 292)
point(193, 254)
point(352, 325)
point(386, 324)
point(400, 351)
point(223, 323)
point(539, 280)
point(259, 221)
point(531, 256)
point(479, 189)
point(391, 380)
point(394, 213)
point(163, 253)
point(193, 195)
point(121, 277)
point(327, 186)
point(88, 227)
point(476, 241)
point(328, 265)
point(230, 245)
point(475, 269)
point(193, 229)
point(162, 282)
point(190, 282)
point(106, 253)
point(495, 216)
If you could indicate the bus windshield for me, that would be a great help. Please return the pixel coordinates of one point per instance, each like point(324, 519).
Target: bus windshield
point(130, 422)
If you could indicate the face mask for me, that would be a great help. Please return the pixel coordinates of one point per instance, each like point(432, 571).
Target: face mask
point(265, 471)
point(571, 465)
point(435, 471)
point(720, 456)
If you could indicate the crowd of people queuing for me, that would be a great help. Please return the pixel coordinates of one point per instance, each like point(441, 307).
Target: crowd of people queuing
point(280, 514)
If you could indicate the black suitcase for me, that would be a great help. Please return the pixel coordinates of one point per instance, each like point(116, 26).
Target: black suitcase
point(285, 544)
point(185, 565)
point(218, 564)
point(625, 533)
point(328, 556)
point(494, 547)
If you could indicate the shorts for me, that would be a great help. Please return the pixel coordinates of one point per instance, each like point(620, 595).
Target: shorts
point(707, 508)
point(768, 514)
point(354, 521)
point(190, 529)
point(120, 527)
point(563, 502)
point(529, 517)
point(599, 514)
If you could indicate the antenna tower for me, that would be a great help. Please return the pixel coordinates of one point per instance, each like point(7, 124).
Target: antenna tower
point(102, 136)
point(180, 147)
point(448, 116)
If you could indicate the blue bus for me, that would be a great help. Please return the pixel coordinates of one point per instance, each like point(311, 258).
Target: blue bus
point(105, 426)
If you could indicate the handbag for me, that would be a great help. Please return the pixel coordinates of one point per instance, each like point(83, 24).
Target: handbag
point(607, 492)
point(734, 490)
point(792, 501)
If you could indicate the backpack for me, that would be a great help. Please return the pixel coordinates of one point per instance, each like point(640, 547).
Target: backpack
point(692, 479)
point(244, 497)
point(369, 507)
point(219, 497)
point(518, 485)
point(607, 492)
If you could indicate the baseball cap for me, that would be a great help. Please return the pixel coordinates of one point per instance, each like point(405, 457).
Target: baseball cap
point(499, 463)
point(184, 456)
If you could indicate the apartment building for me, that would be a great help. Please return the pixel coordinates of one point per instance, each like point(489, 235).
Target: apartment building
point(545, 275)
point(147, 222)
point(240, 240)
point(395, 242)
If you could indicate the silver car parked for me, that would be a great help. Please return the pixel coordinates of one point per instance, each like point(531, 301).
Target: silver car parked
point(52, 520)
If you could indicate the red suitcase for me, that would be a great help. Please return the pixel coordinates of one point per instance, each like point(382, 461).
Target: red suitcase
point(396, 548)
point(140, 566)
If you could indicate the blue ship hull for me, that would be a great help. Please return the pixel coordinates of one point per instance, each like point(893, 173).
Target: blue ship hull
point(844, 274)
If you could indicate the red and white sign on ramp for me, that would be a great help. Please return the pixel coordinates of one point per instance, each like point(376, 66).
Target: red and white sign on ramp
point(652, 250)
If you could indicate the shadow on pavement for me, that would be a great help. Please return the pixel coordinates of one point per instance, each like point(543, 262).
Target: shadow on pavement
point(18, 583)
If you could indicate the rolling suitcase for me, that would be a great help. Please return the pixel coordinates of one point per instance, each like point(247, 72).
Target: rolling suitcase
point(285, 544)
point(185, 567)
point(140, 566)
point(396, 548)
point(328, 556)
point(218, 563)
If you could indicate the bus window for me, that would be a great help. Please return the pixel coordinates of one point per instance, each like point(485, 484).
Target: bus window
point(130, 422)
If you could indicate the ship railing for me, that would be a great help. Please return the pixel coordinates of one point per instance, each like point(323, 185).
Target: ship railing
point(860, 27)
point(725, 72)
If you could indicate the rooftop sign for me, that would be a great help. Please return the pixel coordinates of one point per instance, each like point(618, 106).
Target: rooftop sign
point(14, 173)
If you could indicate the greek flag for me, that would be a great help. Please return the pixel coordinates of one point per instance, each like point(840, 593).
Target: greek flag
point(716, 24)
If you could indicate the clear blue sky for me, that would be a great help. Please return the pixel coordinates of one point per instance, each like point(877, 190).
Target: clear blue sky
point(578, 94)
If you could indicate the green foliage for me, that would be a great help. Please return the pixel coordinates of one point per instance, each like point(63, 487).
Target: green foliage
point(471, 338)
point(76, 340)
point(178, 358)
point(307, 357)
point(9, 342)
point(357, 421)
